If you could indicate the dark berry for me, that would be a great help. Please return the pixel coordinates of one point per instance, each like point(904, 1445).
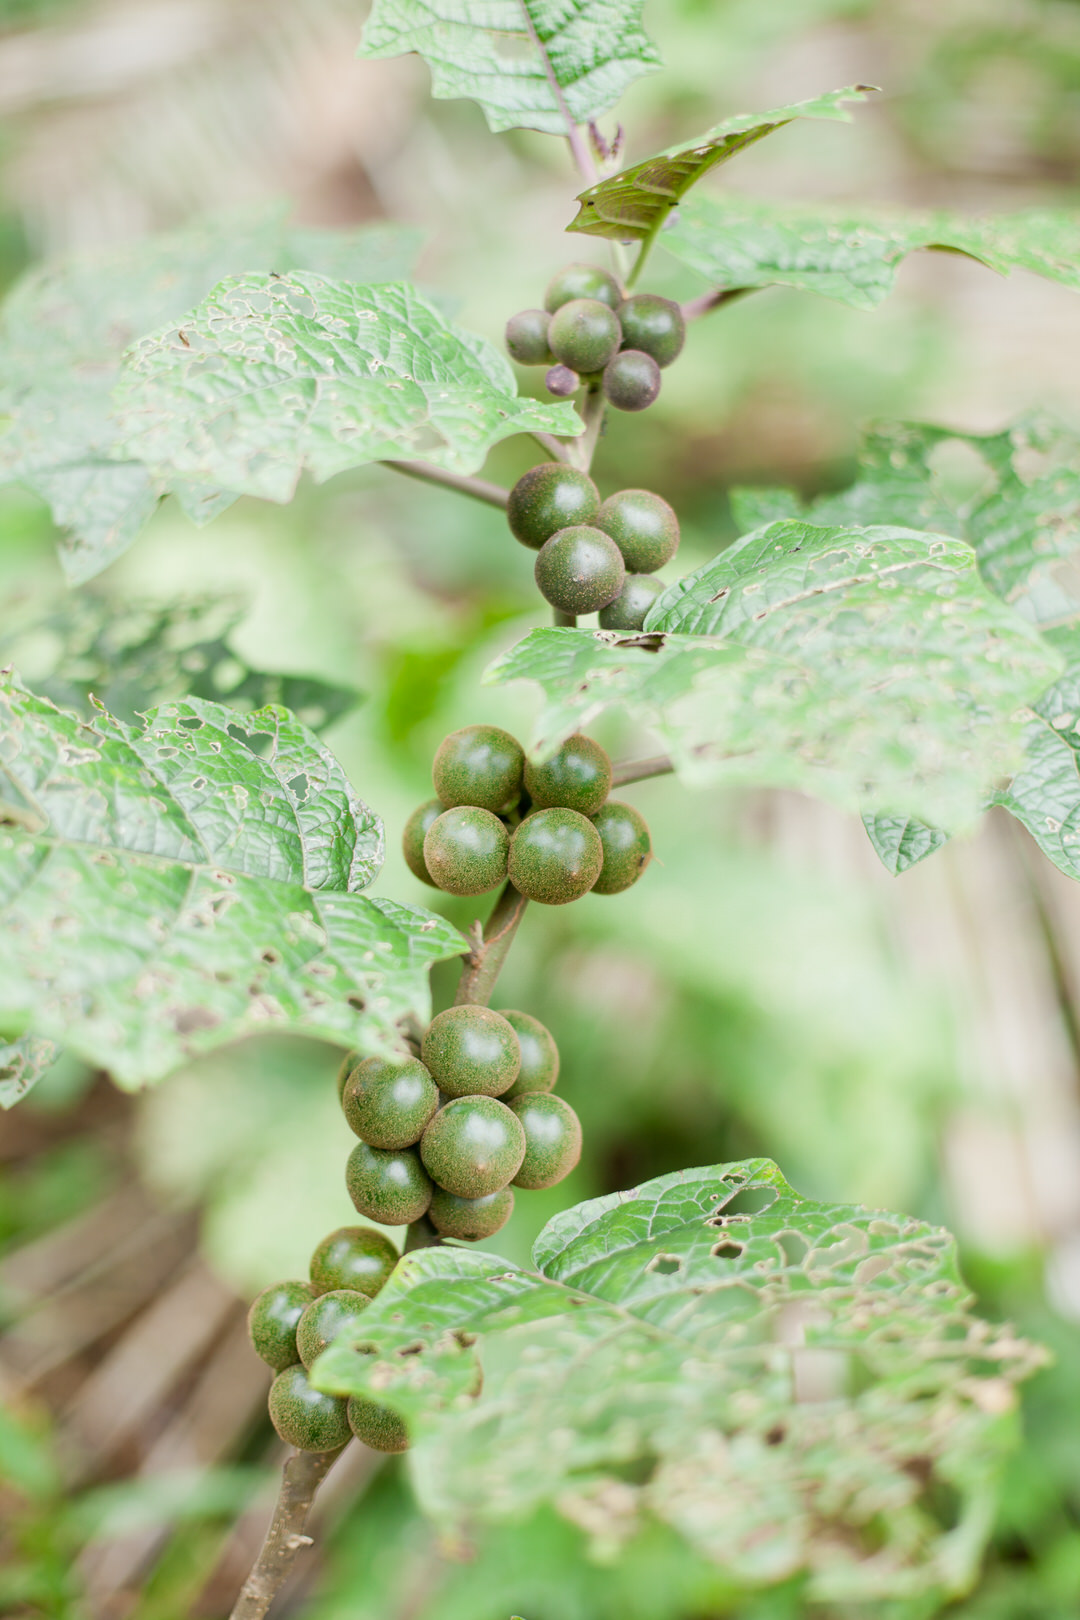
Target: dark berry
point(470, 1219)
point(377, 1426)
point(631, 606)
point(555, 856)
point(473, 1147)
point(465, 850)
point(578, 777)
point(527, 337)
point(354, 1257)
point(472, 1051)
point(580, 569)
point(643, 526)
point(390, 1188)
point(548, 498)
point(348, 1064)
point(584, 334)
point(272, 1322)
point(627, 846)
point(412, 839)
point(561, 381)
point(389, 1101)
point(654, 325)
point(582, 281)
point(631, 380)
point(479, 765)
point(552, 1140)
point(305, 1417)
point(539, 1055)
point(324, 1319)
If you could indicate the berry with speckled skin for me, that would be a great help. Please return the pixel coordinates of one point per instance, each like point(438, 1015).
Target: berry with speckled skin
point(470, 1219)
point(631, 607)
point(527, 337)
point(480, 766)
point(305, 1417)
point(654, 325)
point(473, 1147)
point(643, 526)
point(348, 1064)
point(389, 1101)
point(555, 856)
point(548, 498)
point(578, 777)
point(584, 334)
point(471, 1051)
point(324, 1319)
point(272, 1322)
point(631, 380)
point(353, 1257)
point(624, 834)
point(465, 850)
point(539, 1055)
point(377, 1426)
point(390, 1188)
point(412, 839)
point(582, 281)
point(552, 1140)
point(580, 569)
point(561, 381)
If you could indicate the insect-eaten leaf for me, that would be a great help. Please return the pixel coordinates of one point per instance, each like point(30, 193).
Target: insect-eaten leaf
point(22, 1064)
point(523, 61)
point(170, 887)
point(794, 1387)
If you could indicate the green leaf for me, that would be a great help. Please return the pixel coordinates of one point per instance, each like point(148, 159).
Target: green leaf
point(869, 666)
point(591, 48)
point(902, 841)
point(1045, 793)
point(794, 1387)
point(171, 887)
point(270, 375)
point(633, 205)
point(22, 1064)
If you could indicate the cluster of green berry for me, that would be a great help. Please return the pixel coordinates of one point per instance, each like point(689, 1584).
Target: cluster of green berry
point(551, 828)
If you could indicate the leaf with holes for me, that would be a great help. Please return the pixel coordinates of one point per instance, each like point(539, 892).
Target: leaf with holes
point(519, 58)
point(22, 1064)
point(1045, 793)
point(270, 376)
point(793, 1387)
point(633, 205)
point(901, 842)
point(170, 887)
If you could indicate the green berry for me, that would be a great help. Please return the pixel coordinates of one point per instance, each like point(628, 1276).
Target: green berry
point(470, 1219)
point(272, 1322)
point(578, 777)
point(389, 1101)
point(348, 1064)
point(377, 1426)
point(412, 839)
point(479, 765)
point(472, 1051)
point(580, 569)
point(561, 381)
point(324, 1319)
point(548, 498)
point(305, 1417)
point(624, 835)
point(555, 856)
point(584, 334)
point(473, 1147)
point(552, 1140)
point(582, 281)
point(353, 1257)
point(390, 1188)
point(630, 608)
point(527, 337)
point(539, 1055)
point(643, 526)
point(631, 380)
point(654, 325)
point(465, 850)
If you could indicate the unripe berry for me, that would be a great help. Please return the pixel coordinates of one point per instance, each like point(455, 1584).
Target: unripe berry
point(555, 857)
point(353, 1257)
point(473, 1146)
point(552, 1140)
point(582, 281)
point(478, 765)
point(580, 569)
point(627, 846)
point(389, 1101)
point(527, 337)
point(472, 1051)
point(465, 850)
point(654, 325)
point(390, 1188)
point(630, 608)
point(631, 380)
point(548, 498)
point(412, 839)
point(643, 526)
point(470, 1220)
point(272, 1322)
point(377, 1426)
point(561, 381)
point(324, 1319)
point(305, 1417)
point(584, 334)
point(539, 1055)
point(348, 1064)
point(577, 777)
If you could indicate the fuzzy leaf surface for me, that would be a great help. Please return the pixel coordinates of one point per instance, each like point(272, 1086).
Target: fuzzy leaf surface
point(785, 1383)
point(22, 1064)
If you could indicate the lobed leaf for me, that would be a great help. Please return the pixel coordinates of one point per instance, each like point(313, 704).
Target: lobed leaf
point(794, 1387)
point(22, 1064)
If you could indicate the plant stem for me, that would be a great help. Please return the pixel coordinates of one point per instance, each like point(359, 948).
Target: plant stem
point(563, 619)
point(485, 960)
point(592, 411)
point(636, 770)
point(579, 146)
point(301, 1477)
point(555, 448)
point(478, 488)
point(709, 301)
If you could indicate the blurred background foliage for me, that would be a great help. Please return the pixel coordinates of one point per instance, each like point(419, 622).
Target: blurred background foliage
point(767, 989)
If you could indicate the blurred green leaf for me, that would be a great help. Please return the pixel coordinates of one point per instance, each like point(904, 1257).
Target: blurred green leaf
point(1045, 793)
point(902, 841)
point(22, 1064)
